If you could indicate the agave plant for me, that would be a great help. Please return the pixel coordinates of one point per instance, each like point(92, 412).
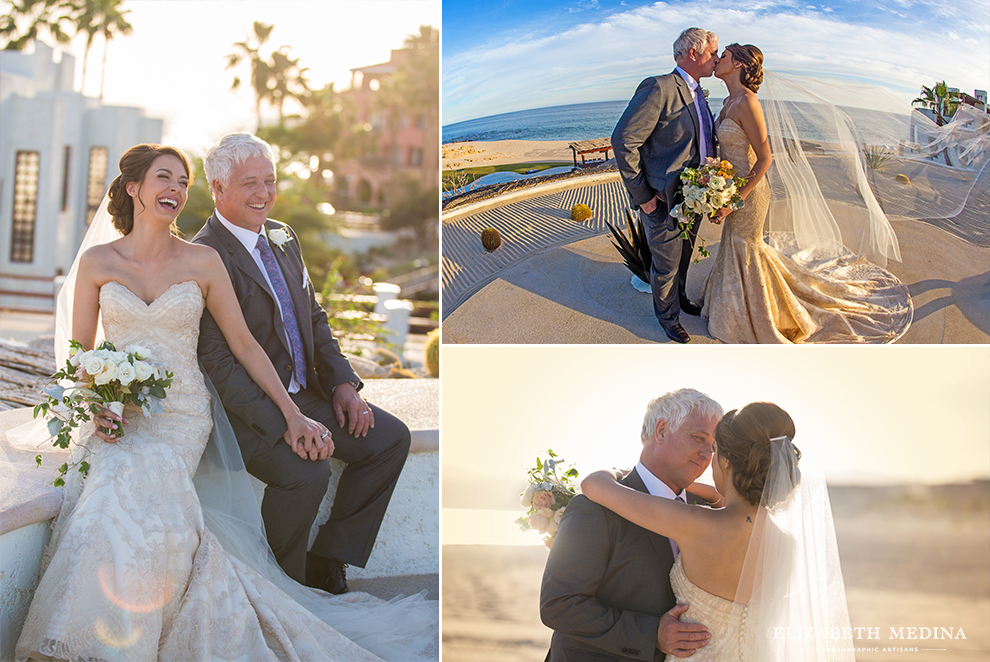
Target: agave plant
point(877, 156)
point(634, 249)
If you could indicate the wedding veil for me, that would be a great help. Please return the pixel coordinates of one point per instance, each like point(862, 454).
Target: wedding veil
point(400, 629)
point(792, 580)
point(847, 155)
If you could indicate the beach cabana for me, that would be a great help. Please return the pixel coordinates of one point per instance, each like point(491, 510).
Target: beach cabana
point(594, 146)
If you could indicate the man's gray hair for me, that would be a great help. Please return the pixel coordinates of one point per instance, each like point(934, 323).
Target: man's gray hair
point(232, 150)
point(695, 38)
point(674, 407)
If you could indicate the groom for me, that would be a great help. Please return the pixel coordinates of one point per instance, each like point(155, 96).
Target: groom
point(266, 268)
point(606, 588)
point(667, 127)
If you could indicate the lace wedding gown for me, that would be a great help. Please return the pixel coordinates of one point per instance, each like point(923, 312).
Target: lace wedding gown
point(760, 293)
point(724, 619)
point(132, 572)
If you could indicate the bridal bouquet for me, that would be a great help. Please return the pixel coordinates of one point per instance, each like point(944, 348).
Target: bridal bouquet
point(103, 377)
point(705, 190)
point(546, 497)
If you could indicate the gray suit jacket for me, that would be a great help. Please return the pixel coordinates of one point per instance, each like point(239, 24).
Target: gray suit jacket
point(606, 585)
point(254, 417)
point(656, 137)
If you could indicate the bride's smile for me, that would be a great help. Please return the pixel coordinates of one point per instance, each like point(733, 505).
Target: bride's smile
point(163, 190)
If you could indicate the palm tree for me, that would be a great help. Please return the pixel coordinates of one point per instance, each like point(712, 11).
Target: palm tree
point(939, 100)
point(273, 81)
point(37, 16)
point(102, 17)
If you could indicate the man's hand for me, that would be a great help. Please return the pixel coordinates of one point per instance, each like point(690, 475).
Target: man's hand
point(650, 205)
point(352, 410)
point(105, 421)
point(309, 439)
point(678, 638)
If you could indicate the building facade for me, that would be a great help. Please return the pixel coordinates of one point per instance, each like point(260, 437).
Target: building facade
point(58, 153)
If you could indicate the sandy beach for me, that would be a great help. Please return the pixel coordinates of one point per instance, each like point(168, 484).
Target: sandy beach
point(903, 567)
point(503, 152)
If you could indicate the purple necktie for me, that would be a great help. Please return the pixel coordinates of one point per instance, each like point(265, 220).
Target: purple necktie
point(706, 121)
point(288, 310)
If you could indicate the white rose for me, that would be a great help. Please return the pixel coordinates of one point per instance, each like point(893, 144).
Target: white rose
point(105, 377)
point(102, 353)
point(539, 523)
point(545, 512)
point(279, 237)
point(716, 182)
point(559, 515)
point(94, 364)
point(139, 352)
point(126, 373)
point(552, 527)
point(527, 497)
point(142, 370)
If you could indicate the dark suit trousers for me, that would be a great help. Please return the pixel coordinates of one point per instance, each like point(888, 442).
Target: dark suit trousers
point(671, 258)
point(296, 487)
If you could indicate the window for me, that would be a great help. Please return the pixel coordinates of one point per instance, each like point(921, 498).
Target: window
point(97, 181)
point(25, 206)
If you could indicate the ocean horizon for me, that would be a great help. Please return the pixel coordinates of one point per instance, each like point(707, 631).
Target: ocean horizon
point(584, 121)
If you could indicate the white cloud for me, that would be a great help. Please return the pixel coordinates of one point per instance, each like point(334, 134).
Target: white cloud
point(605, 60)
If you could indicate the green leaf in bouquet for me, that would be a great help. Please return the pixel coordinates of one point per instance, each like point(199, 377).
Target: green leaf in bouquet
point(157, 391)
point(571, 473)
point(58, 482)
point(55, 426)
point(37, 458)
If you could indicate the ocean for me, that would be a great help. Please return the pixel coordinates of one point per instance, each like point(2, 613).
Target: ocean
point(585, 121)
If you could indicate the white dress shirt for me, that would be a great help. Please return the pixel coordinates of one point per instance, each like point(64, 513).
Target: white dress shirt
point(657, 487)
point(249, 238)
point(694, 85)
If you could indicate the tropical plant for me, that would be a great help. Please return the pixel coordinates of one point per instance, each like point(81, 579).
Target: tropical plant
point(100, 17)
point(455, 180)
point(937, 98)
point(25, 20)
point(634, 249)
point(432, 351)
point(877, 157)
point(273, 81)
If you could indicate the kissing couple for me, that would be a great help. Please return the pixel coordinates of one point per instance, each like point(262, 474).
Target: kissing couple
point(649, 563)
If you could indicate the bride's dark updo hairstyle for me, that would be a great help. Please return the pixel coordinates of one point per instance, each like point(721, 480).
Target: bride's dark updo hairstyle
point(743, 437)
point(751, 59)
point(134, 166)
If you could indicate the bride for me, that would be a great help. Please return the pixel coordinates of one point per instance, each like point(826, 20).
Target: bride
point(761, 572)
point(143, 564)
point(781, 292)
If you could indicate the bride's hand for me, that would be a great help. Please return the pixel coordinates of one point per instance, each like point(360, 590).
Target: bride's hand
point(308, 438)
point(720, 215)
point(107, 421)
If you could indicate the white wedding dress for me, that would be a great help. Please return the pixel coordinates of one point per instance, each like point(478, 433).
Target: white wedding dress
point(132, 572)
point(724, 619)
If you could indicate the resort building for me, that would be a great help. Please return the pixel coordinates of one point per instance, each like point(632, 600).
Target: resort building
point(58, 153)
point(403, 140)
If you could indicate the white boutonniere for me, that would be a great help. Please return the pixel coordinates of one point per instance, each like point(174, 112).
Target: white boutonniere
point(280, 237)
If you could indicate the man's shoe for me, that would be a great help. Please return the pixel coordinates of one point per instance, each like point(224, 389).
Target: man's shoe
point(326, 574)
point(676, 333)
point(690, 307)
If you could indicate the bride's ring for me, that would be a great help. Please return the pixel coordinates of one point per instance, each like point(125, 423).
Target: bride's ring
point(325, 435)
point(365, 411)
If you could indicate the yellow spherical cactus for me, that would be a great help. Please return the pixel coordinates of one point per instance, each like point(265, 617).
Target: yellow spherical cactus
point(433, 352)
point(903, 179)
point(490, 239)
point(581, 212)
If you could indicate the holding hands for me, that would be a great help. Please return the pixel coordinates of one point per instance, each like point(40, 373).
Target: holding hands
point(309, 439)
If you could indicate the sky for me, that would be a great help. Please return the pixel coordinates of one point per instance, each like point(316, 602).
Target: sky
point(868, 415)
point(173, 63)
point(508, 55)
